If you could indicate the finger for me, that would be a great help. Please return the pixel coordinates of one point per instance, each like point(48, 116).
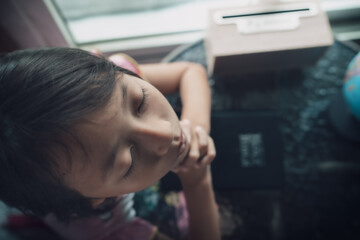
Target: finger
point(179, 170)
point(211, 153)
point(187, 129)
point(202, 138)
point(193, 155)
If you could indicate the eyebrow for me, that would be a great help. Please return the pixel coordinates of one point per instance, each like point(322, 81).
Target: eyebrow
point(124, 93)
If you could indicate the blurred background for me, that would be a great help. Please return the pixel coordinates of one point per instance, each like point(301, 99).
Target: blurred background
point(315, 180)
point(153, 26)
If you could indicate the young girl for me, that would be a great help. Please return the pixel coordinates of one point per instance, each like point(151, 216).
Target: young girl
point(78, 133)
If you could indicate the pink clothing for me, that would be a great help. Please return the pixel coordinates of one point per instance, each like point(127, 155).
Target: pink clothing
point(114, 225)
point(125, 61)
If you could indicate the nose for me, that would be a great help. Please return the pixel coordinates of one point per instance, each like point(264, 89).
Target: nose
point(154, 136)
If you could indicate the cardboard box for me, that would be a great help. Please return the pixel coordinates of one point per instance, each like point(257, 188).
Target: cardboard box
point(268, 36)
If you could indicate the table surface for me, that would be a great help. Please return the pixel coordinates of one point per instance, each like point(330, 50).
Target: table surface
point(321, 193)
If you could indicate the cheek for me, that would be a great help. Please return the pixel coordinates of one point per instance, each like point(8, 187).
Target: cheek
point(84, 182)
point(164, 108)
point(153, 170)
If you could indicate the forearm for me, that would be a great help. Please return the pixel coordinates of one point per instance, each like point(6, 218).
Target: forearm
point(203, 211)
point(191, 81)
point(196, 96)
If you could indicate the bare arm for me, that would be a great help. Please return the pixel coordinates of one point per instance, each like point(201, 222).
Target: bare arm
point(203, 211)
point(204, 219)
point(191, 80)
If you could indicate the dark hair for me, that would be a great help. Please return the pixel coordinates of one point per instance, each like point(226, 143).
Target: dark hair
point(42, 93)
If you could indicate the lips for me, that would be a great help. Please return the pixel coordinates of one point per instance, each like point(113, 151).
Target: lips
point(181, 149)
point(182, 144)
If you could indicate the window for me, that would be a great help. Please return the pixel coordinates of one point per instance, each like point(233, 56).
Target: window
point(146, 23)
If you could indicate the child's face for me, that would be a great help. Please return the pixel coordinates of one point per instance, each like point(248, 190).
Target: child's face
point(131, 143)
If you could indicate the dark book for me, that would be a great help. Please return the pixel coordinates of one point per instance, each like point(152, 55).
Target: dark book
point(249, 150)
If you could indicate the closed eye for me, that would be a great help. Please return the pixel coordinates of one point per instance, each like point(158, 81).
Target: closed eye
point(132, 164)
point(141, 106)
point(143, 100)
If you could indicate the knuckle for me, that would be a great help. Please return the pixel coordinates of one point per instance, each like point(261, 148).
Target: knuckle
point(212, 155)
point(203, 145)
point(194, 155)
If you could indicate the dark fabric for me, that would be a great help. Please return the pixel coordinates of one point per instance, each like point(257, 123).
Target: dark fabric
point(321, 193)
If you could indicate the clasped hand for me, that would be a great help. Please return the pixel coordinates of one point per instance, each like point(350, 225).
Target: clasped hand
point(196, 165)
